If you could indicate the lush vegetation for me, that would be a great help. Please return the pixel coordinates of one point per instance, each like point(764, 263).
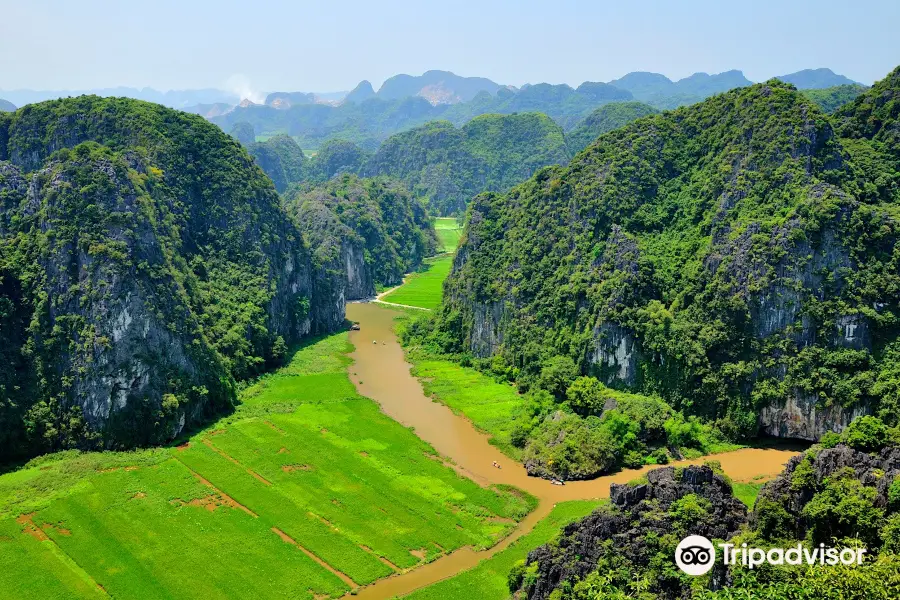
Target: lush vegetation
point(389, 228)
point(307, 491)
point(838, 494)
point(831, 99)
point(282, 160)
point(604, 119)
point(491, 405)
point(449, 232)
point(488, 580)
point(724, 257)
point(568, 427)
point(140, 277)
point(423, 288)
point(448, 166)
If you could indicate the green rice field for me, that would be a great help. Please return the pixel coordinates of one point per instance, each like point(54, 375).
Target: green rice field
point(487, 580)
point(424, 289)
point(491, 406)
point(449, 232)
point(307, 491)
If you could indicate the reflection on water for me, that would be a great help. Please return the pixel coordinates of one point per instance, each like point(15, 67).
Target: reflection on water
point(380, 372)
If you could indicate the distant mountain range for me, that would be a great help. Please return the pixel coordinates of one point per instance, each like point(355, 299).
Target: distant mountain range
point(367, 117)
point(816, 79)
point(438, 87)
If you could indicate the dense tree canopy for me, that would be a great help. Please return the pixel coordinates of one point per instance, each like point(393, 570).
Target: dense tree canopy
point(728, 256)
point(142, 271)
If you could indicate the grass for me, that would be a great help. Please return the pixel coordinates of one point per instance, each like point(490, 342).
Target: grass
point(746, 492)
point(424, 289)
point(487, 580)
point(306, 485)
point(491, 406)
point(449, 232)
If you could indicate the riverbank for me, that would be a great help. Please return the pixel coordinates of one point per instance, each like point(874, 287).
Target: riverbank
point(380, 372)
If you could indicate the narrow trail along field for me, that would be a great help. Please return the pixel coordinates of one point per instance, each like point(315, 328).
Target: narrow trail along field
point(380, 372)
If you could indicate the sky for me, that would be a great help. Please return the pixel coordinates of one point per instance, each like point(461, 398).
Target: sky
point(331, 45)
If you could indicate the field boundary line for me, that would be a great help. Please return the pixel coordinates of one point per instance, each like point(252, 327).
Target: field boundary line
point(288, 539)
point(381, 558)
point(61, 555)
point(225, 496)
point(401, 305)
point(226, 456)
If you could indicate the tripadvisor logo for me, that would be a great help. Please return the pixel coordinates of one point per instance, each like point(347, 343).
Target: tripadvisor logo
point(695, 555)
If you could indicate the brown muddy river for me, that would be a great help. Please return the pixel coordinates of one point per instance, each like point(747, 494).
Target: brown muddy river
point(386, 378)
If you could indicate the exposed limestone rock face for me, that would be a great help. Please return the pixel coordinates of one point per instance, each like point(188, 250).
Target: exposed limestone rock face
point(487, 331)
point(800, 417)
point(734, 257)
point(359, 278)
point(636, 513)
point(154, 265)
point(616, 354)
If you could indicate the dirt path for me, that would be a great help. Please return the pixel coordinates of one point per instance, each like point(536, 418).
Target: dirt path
point(379, 298)
point(386, 378)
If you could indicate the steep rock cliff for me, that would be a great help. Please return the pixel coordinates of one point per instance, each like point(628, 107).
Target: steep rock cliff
point(641, 521)
point(155, 264)
point(736, 257)
point(369, 231)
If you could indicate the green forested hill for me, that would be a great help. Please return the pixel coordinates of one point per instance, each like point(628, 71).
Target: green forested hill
point(444, 165)
point(448, 165)
point(371, 228)
point(606, 118)
point(145, 264)
point(874, 118)
point(831, 99)
point(367, 121)
point(281, 158)
point(737, 257)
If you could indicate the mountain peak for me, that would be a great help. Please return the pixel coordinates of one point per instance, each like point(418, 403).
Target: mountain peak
point(362, 92)
point(816, 79)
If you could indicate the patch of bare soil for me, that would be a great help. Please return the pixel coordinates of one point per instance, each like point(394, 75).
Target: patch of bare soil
point(292, 468)
point(29, 528)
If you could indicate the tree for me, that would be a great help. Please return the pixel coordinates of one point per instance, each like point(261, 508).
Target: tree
point(585, 396)
point(557, 374)
point(867, 434)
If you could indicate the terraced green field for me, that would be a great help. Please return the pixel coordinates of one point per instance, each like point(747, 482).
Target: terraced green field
point(424, 289)
point(487, 581)
point(307, 491)
point(449, 232)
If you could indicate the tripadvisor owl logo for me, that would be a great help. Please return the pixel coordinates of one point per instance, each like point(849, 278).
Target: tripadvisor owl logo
point(695, 555)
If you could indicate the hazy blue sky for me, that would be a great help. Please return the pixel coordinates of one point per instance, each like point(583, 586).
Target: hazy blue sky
point(331, 45)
